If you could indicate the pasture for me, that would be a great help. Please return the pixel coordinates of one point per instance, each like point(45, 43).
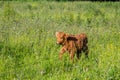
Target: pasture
point(28, 49)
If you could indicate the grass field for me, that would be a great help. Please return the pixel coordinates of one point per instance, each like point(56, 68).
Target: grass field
point(28, 49)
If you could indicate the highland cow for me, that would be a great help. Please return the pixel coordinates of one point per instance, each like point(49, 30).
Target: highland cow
point(74, 44)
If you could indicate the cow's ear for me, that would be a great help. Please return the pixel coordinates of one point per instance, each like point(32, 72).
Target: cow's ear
point(56, 34)
point(66, 36)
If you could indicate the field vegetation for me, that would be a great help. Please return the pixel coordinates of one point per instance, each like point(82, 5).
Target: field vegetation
point(28, 49)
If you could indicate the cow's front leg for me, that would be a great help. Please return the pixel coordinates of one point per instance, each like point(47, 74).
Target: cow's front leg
point(62, 51)
point(72, 54)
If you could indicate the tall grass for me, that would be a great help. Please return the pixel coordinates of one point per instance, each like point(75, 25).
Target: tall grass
point(28, 47)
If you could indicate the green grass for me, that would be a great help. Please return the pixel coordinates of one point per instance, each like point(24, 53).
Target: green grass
point(28, 47)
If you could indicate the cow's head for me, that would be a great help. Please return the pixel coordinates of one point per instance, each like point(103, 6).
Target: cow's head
point(61, 37)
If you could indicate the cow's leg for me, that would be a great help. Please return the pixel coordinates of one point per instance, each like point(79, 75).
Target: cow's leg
point(78, 54)
point(85, 50)
point(72, 54)
point(62, 51)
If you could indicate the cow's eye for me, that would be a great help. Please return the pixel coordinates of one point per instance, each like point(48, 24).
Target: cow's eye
point(61, 38)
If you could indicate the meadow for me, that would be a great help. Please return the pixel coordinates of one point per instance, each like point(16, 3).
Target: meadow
point(28, 49)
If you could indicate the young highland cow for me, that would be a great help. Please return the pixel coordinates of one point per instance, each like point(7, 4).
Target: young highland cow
point(73, 44)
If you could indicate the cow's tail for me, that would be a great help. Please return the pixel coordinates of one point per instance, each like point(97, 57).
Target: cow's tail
point(85, 41)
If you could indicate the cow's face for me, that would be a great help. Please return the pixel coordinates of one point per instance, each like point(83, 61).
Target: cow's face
point(61, 36)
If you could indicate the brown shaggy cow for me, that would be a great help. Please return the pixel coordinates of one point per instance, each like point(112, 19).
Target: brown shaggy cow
point(73, 44)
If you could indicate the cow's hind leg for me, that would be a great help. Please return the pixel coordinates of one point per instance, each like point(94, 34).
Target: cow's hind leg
point(78, 54)
point(85, 50)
